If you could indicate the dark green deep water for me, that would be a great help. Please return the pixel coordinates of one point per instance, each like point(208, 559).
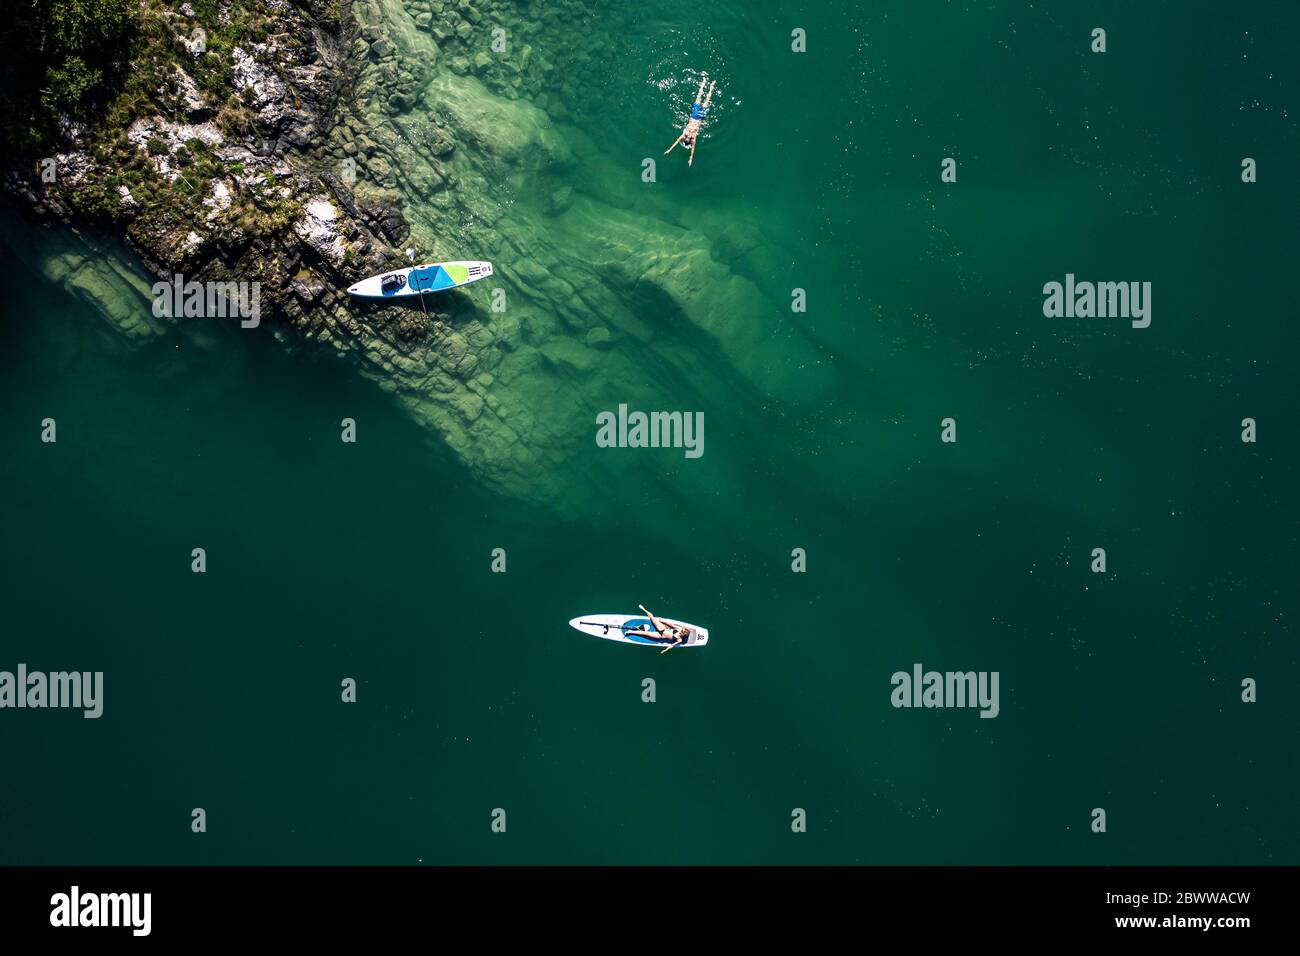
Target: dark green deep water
point(372, 560)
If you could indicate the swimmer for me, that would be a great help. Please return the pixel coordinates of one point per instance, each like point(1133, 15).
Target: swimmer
point(698, 111)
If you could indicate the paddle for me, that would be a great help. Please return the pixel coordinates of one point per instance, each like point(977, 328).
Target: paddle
point(606, 628)
point(411, 256)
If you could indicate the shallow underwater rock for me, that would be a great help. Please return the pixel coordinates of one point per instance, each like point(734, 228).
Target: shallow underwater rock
point(380, 170)
point(468, 405)
point(439, 142)
point(425, 182)
point(388, 219)
point(452, 350)
point(479, 336)
point(506, 329)
point(560, 200)
point(529, 271)
point(569, 355)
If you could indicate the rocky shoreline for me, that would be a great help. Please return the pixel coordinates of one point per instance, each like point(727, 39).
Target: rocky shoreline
point(233, 189)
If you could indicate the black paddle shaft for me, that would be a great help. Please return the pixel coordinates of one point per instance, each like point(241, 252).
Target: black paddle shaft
point(620, 627)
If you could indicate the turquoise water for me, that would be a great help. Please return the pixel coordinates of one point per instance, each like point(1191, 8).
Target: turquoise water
point(819, 171)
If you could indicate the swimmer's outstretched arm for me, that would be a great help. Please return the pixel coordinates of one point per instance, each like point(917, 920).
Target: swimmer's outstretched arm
point(674, 145)
point(692, 159)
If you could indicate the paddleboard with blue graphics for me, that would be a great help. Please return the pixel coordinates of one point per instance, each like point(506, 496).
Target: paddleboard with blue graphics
point(416, 280)
point(622, 627)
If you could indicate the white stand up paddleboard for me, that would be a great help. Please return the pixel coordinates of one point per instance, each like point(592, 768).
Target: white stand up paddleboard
point(615, 627)
point(415, 280)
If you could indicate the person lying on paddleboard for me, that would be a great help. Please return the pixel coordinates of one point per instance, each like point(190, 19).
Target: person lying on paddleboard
point(692, 130)
point(663, 632)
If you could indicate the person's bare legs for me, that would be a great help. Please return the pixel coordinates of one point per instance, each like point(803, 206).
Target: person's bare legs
point(704, 78)
point(707, 98)
point(659, 625)
point(654, 621)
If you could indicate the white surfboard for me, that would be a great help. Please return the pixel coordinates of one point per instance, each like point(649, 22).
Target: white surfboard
point(415, 280)
point(617, 627)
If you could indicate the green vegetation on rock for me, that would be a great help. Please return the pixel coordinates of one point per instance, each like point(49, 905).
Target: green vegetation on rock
point(59, 56)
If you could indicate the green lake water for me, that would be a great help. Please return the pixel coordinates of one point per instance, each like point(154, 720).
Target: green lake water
point(818, 171)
